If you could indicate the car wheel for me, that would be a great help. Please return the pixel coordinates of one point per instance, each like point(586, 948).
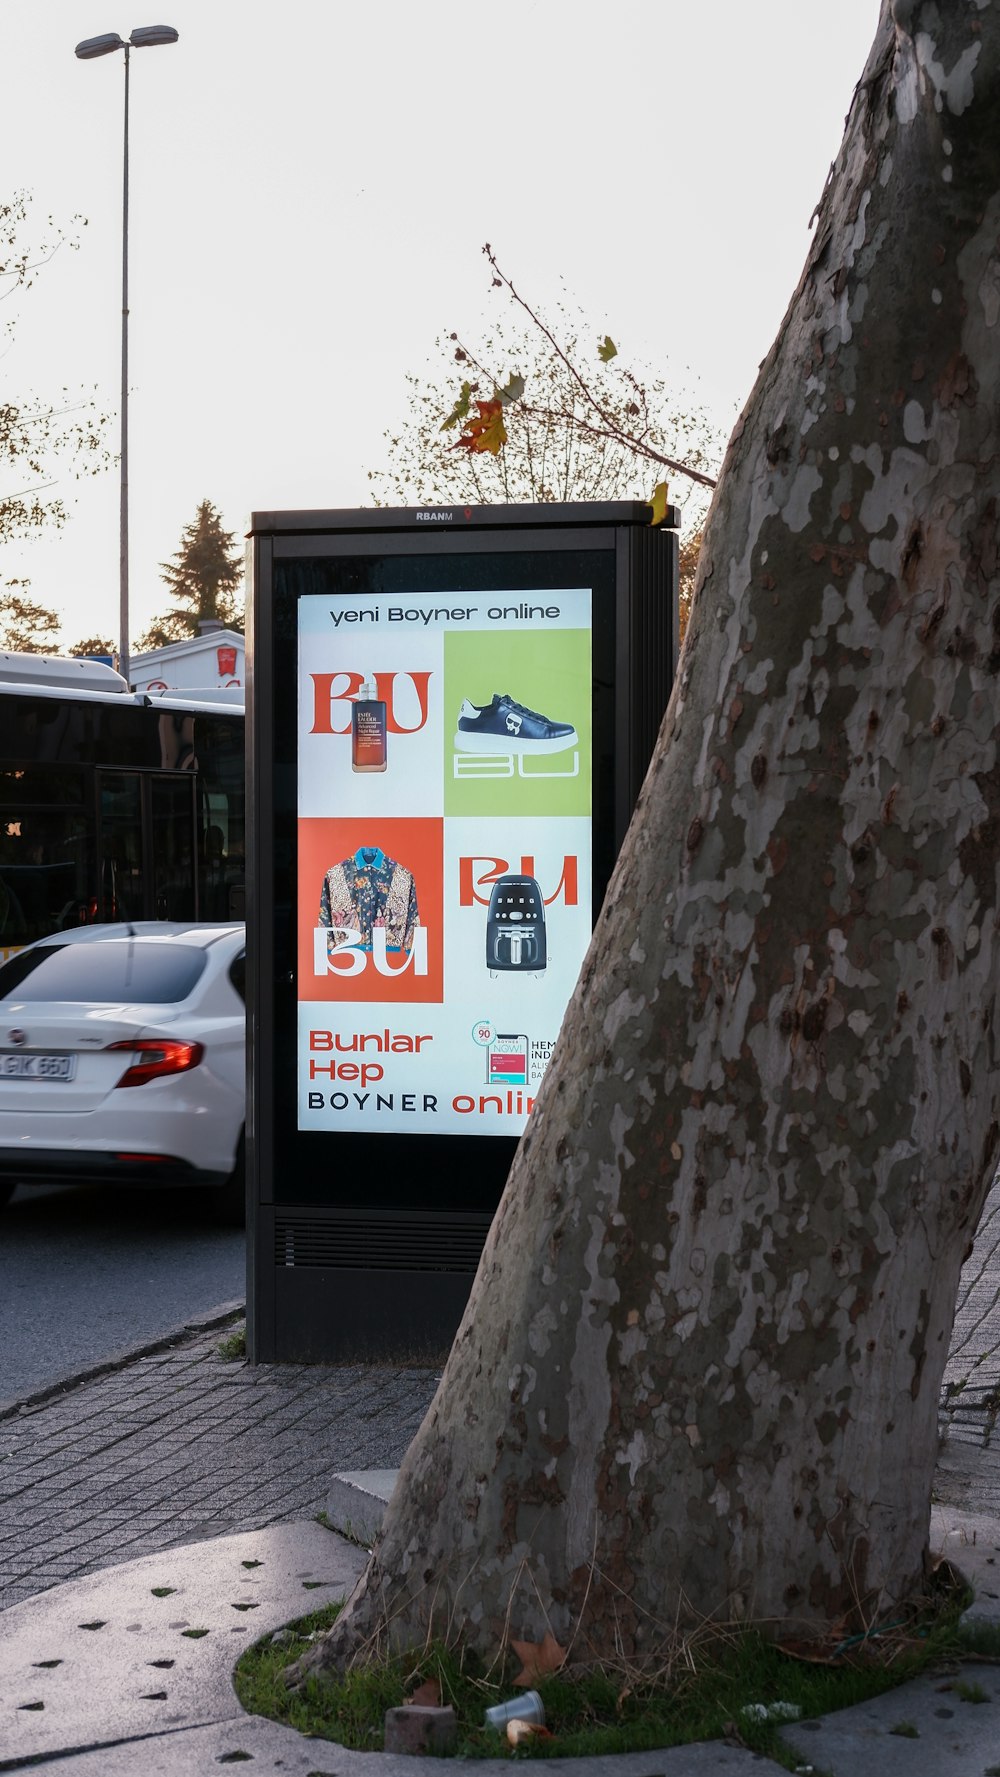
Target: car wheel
point(228, 1202)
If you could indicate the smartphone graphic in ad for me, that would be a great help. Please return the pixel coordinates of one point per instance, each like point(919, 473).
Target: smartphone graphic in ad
point(508, 1060)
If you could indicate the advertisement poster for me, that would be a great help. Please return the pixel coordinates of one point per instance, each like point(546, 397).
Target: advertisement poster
point(444, 854)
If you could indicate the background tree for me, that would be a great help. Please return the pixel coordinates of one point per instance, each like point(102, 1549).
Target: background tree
point(26, 628)
point(701, 1363)
point(204, 577)
point(37, 436)
point(569, 434)
point(689, 552)
point(93, 645)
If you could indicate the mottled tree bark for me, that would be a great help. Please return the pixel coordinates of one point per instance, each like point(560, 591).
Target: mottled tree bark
point(700, 1366)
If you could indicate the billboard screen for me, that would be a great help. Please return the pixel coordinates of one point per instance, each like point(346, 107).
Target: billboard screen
point(444, 870)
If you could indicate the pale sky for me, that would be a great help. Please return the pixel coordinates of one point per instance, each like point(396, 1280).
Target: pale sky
point(310, 188)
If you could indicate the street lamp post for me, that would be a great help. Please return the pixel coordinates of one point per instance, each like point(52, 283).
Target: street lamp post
point(145, 37)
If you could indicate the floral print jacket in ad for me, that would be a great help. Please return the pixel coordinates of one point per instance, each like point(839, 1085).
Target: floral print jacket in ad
point(366, 891)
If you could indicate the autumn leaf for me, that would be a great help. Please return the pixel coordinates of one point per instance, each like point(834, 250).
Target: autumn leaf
point(427, 1695)
point(538, 1658)
point(512, 390)
point(460, 409)
point(659, 502)
point(488, 432)
point(607, 350)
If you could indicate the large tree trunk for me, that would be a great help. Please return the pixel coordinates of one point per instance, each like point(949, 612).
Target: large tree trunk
point(700, 1366)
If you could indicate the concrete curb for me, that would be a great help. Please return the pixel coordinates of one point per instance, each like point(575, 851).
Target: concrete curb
point(356, 1502)
point(128, 1673)
point(165, 1631)
point(189, 1329)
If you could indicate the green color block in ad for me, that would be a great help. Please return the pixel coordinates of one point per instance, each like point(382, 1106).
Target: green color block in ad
point(545, 671)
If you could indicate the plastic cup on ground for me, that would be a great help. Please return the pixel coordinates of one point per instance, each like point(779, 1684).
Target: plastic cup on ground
point(528, 1707)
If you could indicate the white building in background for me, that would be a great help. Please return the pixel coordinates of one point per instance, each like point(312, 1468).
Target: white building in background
point(212, 660)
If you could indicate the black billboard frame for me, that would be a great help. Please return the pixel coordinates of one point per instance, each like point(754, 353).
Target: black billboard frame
point(350, 1279)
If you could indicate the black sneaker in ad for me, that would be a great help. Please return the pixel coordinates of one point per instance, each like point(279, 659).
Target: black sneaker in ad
point(503, 726)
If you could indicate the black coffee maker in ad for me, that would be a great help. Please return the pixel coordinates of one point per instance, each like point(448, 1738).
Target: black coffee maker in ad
point(515, 926)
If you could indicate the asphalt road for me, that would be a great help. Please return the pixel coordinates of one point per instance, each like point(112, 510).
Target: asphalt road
point(86, 1274)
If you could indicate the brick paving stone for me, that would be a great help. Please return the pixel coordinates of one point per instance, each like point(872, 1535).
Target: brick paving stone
point(183, 1445)
point(974, 1356)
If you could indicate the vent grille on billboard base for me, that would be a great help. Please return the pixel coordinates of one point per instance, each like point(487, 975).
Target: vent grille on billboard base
point(401, 1242)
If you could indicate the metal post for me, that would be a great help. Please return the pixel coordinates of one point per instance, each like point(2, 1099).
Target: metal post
point(144, 37)
point(123, 623)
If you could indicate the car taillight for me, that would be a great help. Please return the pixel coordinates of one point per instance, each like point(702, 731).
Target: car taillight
point(157, 1056)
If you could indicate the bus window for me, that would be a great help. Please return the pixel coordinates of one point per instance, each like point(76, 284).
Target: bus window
point(221, 799)
point(173, 851)
point(107, 799)
point(213, 894)
point(120, 805)
point(42, 784)
point(46, 867)
point(177, 742)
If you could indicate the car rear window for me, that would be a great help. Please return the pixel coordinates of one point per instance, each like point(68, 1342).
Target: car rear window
point(103, 974)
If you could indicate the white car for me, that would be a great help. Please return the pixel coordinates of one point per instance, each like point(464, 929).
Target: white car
point(122, 1060)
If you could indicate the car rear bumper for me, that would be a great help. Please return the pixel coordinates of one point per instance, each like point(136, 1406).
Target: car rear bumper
point(68, 1166)
point(190, 1122)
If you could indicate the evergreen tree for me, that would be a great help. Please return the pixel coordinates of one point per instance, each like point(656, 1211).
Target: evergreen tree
point(204, 577)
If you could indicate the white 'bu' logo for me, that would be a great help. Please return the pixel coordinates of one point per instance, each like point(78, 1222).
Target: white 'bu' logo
point(349, 957)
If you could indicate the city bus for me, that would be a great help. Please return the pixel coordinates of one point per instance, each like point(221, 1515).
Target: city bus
point(114, 804)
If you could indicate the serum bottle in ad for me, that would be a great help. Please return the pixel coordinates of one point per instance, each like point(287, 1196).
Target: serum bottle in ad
point(368, 730)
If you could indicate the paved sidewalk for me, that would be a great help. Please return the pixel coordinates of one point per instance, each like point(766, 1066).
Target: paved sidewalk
point(971, 1396)
point(163, 1500)
point(182, 1445)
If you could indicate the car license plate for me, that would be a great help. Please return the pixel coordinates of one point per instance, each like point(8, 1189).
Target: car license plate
point(37, 1067)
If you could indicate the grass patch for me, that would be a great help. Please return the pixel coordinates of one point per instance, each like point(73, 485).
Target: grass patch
point(234, 1347)
point(714, 1692)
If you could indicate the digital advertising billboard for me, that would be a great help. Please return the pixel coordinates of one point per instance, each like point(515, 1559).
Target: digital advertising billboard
point(450, 711)
point(444, 853)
